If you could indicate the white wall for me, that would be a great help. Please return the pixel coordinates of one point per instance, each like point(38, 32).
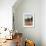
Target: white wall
point(29, 33)
point(43, 22)
point(6, 13)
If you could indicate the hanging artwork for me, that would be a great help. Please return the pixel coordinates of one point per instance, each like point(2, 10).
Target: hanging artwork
point(28, 19)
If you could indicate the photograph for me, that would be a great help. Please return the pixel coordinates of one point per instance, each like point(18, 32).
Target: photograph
point(28, 20)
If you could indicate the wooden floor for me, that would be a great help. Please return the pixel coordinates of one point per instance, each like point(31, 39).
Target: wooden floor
point(9, 43)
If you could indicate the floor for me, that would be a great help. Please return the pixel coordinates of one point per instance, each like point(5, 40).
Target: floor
point(9, 43)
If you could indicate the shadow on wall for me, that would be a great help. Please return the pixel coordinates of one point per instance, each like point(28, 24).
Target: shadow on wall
point(25, 6)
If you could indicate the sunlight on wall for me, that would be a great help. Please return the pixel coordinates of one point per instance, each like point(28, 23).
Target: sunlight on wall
point(6, 13)
point(6, 18)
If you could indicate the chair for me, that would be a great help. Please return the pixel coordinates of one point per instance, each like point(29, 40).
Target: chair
point(18, 39)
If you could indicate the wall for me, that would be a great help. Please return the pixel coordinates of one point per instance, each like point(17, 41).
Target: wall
point(43, 22)
point(29, 33)
point(6, 13)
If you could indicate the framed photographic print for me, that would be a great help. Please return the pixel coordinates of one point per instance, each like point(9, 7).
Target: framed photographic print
point(28, 19)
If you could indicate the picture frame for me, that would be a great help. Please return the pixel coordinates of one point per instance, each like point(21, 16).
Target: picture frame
point(28, 19)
